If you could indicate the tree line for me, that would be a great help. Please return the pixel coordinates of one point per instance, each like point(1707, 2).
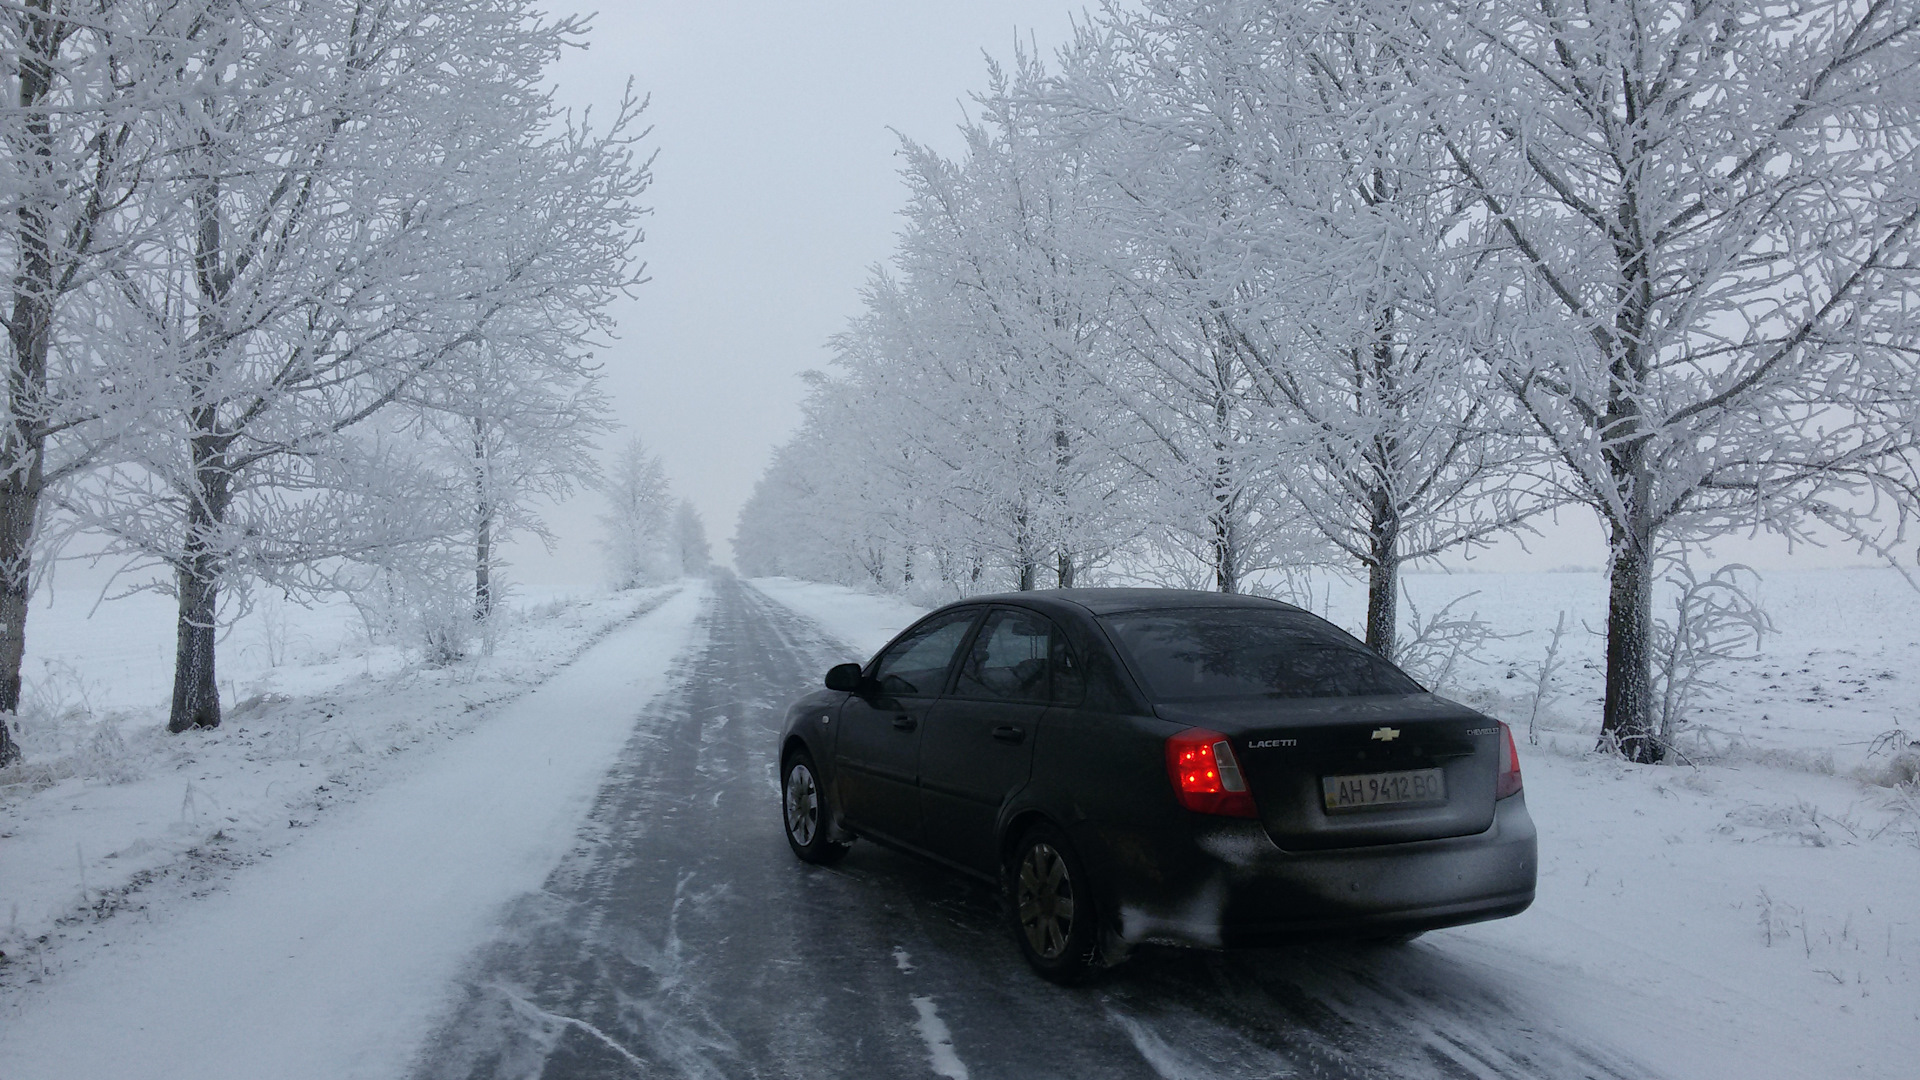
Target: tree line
point(650, 536)
point(298, 296)
point(1228, 288)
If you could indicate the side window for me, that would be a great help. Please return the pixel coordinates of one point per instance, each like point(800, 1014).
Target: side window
point(1018, 656)
point(917, 664)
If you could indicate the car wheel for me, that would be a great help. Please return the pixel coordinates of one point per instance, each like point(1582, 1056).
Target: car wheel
point(803, 805)
point(1050, 902)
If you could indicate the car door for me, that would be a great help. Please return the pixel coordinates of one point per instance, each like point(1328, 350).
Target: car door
point(877, 750)
point(976, 747)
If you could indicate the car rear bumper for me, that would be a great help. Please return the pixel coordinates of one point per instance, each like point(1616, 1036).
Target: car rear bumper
point(1230, 885)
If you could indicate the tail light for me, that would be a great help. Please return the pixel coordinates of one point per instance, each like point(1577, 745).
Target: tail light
point(1206, 776)
point(1509, 783)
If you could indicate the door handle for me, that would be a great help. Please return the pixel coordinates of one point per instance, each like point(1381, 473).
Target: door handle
point(1010, 733)
point(904, 722)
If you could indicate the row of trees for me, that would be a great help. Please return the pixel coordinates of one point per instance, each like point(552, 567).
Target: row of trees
point(1238, 286)
point(651, 537)
point(297, 295)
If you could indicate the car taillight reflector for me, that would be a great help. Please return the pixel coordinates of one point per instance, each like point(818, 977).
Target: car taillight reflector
point(1509, 782)
point(1206, 776)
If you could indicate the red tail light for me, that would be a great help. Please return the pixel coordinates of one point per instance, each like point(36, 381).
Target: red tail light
point(1509, 783)
point(1206, 776)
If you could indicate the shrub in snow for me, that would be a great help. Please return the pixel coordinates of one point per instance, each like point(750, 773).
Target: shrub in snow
point(1715, 619)
point(1893, 760)
point(63, 736)
point(1434, 647)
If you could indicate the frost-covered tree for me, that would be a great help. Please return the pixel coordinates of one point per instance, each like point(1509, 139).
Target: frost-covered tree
point(997, 309)
point(638, 544)
point(690, 540)
point(357, 205)
point(1296, 262)
point(512, 425)
point(71, 155)
point(1714, 205)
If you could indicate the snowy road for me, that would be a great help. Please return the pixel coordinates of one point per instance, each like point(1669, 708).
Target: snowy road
point(680, 938)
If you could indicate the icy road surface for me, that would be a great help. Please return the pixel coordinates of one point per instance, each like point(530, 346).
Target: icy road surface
point(681, 938)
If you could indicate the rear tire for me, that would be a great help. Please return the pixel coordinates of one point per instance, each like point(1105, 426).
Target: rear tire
point(805, 813)
point(1051, 908)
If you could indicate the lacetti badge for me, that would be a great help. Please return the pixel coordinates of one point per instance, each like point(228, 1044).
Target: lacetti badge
point(1386, 734)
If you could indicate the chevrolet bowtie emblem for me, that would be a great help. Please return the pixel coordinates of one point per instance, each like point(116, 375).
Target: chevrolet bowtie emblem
point(1386, 734)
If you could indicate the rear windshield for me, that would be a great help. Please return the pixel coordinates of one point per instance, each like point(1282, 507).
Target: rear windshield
point(1204, 653)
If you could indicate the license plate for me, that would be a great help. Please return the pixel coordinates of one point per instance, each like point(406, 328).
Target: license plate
point(1369, 790)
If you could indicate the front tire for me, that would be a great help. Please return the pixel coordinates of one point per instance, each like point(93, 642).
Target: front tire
point(805, 814)
point(1051, 906)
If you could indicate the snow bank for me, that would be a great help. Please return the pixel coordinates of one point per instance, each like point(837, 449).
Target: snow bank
point(861, 621)
point(1754, 916)
point(109, 807)
point(360, 926)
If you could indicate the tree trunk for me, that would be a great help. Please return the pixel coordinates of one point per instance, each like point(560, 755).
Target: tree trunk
point(196, 693)
point(1383, 576)
point(13, 646)
point(1027, 567)
point(1226, 549)
point(1062, 462)
point(482, 529)
point(483, 566)
point(1226, 569)
point(20, 486)
point(1626, 725)
point(22, 446)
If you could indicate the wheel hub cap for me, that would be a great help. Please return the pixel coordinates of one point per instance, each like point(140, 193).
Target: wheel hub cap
point(1044, 894)
point(803, 805)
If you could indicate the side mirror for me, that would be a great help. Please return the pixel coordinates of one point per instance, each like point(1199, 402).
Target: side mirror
point(844, 678)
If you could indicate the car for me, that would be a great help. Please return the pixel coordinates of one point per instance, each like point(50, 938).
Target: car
point(1160, 765)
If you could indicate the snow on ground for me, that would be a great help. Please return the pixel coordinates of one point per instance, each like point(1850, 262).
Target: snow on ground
point(109, 807)
point(861, 621)
point(361, 926)
point(1754, 915)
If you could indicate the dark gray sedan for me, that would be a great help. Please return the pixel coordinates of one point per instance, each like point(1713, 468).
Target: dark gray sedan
point(1138, 765)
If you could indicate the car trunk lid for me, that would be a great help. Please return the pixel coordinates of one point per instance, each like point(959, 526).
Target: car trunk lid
point(1383, 754)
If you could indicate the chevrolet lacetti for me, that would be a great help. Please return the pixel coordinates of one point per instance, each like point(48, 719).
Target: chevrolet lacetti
point(1148, 765)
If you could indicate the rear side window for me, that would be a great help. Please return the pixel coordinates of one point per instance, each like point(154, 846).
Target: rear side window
point(1019, 656)
point(1198, 654)
point(917, 664)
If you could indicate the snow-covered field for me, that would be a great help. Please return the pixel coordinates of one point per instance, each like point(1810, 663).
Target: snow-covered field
point(109, 810)
point(1756, 914)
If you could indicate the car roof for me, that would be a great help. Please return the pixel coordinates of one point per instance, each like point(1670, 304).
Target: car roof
point(1113, 601)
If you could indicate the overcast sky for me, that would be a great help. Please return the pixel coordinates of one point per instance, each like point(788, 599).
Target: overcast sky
point(775, 189)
